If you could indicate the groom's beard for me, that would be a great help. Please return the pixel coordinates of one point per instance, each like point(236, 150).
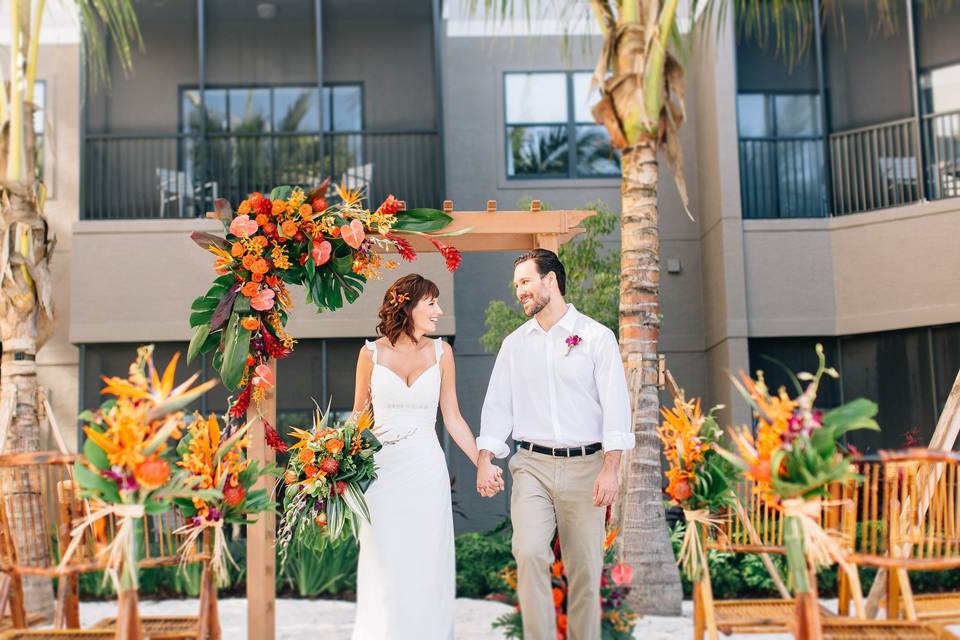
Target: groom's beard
point(534, 305)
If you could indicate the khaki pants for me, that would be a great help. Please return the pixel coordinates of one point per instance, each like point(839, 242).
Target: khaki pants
point(556, 494)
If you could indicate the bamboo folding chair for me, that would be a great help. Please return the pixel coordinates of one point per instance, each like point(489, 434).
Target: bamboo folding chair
point(907, 515)
point(39, 502)
point(750, 526)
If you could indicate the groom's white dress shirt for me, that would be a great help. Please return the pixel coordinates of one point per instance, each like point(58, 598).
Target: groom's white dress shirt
point(547, 393)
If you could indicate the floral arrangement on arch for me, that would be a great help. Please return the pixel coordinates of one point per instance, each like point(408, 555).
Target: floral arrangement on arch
point(128, 469)
point(330, 467)
point(796, 454)
point(617, 618)
point(292, 237)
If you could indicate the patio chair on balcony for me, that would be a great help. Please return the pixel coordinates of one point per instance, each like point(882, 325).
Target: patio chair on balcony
point(358, 177)
point(180, 189)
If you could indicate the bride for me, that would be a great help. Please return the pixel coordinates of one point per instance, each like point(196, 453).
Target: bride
point(406, 573)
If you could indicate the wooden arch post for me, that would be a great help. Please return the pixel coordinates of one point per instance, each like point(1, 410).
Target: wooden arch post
point(489, 230)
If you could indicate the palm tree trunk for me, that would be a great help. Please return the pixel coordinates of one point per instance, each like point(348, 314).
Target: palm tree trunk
point(21, 325)
point(645, 541)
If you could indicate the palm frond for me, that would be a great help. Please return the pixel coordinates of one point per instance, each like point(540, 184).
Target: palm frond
point(113, 21)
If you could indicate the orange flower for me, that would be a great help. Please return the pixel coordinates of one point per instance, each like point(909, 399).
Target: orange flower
point(557, 596)
point(260, 241)
point(306, 456)
point(248, 261)
point(257, 277)
point(152, 473)
point(310, 470)
point(306, 211)
point(259, 266)
point(334, 446)
point(335, 232)
point(289, 477)
point(262, 219)
point(244, 208)
point(289, 228)
point(279, 206)
point(249, 289)
point(273, 281)
point(250, 323)
point(236, 249)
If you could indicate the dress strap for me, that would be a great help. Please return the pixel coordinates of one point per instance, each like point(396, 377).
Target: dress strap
point(372, 345)
point(438, 347)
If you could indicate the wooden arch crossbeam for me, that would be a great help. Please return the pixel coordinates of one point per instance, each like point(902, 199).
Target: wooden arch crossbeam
point(489, 230)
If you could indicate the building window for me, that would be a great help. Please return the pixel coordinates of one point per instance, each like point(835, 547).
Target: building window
point(781, 155)
point(550, 132)
point(281, 109)
point(940, 101)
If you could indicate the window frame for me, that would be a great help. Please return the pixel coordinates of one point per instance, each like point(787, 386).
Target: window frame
point(181, 89)
point(571, 125)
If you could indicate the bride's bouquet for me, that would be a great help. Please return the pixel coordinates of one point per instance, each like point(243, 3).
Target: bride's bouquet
point(330, 467)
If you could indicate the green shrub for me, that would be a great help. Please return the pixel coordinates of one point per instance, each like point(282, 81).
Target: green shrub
point(480, 558)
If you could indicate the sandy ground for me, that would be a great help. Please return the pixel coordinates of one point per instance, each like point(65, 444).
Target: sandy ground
point(333, 620)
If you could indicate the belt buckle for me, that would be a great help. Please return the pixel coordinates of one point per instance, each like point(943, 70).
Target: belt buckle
point(553, 451)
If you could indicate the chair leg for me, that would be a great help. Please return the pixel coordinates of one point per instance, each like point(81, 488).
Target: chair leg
point(698, 604)
point(843, 594)
point(18, 612)
point(893, 596)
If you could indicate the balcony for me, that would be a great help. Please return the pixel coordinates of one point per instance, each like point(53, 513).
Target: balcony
point(890, 164)
point(867, 119)
point(179, 175)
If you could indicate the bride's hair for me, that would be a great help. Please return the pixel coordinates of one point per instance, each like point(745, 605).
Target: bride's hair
point(399, 300)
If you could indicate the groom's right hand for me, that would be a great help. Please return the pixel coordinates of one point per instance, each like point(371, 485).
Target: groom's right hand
point(489, 476)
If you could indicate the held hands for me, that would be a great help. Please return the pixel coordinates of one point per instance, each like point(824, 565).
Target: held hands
point(489, 478)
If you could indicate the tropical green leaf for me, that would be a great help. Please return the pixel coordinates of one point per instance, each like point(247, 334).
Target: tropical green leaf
point(235, 350)
point(197, 341)
point(421, 220)
point(95, 483)
point(281, 193)
point(95, 455)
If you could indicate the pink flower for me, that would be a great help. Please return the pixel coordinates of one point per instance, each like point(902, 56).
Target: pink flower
point(263, 377)
point(321, 252)
point(353, 233)
point(263, 299)
point(622, 574)
point(243, 226)
point(572, 341)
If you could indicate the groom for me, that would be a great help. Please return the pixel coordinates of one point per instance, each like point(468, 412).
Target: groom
point(558, 389)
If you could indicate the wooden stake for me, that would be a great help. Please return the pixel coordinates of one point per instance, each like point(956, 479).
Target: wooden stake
point(448, 206)
point(261, 536)
point(491, 206)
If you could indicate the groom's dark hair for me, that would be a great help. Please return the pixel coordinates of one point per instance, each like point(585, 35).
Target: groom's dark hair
point(546, 262)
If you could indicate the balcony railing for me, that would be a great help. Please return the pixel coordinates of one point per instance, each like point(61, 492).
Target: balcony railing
point(781, 175)
point(180, 175)
point(886, 165)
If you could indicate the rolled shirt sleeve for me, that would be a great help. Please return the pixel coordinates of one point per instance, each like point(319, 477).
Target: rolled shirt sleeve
point(496, 417)
point(614, 399)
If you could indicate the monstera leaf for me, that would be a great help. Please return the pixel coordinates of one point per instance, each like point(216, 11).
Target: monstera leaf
point(421, 220)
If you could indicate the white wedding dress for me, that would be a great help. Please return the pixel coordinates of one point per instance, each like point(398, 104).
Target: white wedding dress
point(406, 574)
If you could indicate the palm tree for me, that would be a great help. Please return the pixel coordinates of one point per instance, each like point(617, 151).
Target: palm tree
point(26, 287)
point(641, 81)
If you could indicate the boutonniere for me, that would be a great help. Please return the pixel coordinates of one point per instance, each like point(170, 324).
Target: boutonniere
point(572, 341)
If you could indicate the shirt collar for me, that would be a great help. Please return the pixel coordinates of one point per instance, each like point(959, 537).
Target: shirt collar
point(568, 321)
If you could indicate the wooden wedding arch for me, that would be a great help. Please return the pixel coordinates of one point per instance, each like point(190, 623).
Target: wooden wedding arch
point(489, 230)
